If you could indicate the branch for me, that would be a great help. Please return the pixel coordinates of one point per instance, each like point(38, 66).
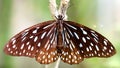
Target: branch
point(58, 63)
point(53, 7)
point(62, 8)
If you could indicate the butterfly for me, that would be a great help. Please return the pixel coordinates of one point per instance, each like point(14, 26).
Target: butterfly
point(67, 40)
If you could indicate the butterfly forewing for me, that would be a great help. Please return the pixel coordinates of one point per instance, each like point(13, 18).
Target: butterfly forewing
point(86, 41)
point(36, 42)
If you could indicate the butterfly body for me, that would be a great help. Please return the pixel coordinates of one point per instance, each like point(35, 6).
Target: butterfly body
point(50, 40)
point(59, 32)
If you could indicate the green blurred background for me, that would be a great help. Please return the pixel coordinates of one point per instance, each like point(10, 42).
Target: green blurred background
point(100, 15)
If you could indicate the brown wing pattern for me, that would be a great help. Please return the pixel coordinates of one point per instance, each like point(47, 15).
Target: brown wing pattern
point(83, 42)
point(37, 41)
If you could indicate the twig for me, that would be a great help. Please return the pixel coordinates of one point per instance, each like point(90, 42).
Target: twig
point(62, 8)
point(53, 7)
point(57, 64)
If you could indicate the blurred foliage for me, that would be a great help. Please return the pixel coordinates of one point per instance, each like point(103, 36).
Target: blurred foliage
point(5, 10)
point(81, 11)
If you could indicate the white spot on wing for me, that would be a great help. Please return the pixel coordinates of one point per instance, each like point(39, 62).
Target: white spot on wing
point(71, 47)
point(105, 42)
point(95, 40)
point(47, 43)
point(11, 52)
point(35, 39)
point(67, 39)
point(39, 44)
point(81, 45)
point(82, 51)
point(90, 48)
point(35, 31)
point(27, 43)
point(48, 47)
point(14, 46)
point(68, 35)
point(84, 32)
point(72, 44)
point(22, 46)
point(92, 31)
point(14, 41)
point(110, 51)
point(75, 61)
point(69, 31)
point(24, 34)
point(23, 39)
point(16, 52)
point(71, 26)
point(98, 54)
point(31, 36)
point(32, 48)
point(43, 35)
point(26, 30)
point(95, 52)
point(107, 53)
point(49, 56)
point(84, 40)
point(87, 49)
point(111, 47)
point(91, 44)
point(49, 32)
point(48, 26)
point(88, 38)
point(9, 49)
point(7, 45)
point(105, 48)
point(29, 47)
point(94, 35)
point(23, 51)
point(52, 40)
point(76, 35)
point(27, 53)
point(97, 47)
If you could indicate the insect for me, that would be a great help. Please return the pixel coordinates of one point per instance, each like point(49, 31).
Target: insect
point(50, 40)
point(67, 40)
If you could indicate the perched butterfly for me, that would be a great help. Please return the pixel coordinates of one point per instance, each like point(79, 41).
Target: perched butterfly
point(50, 40)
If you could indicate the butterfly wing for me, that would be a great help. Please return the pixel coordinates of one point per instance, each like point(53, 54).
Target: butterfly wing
point(35, 42)
point(70, 53)
point(84, 42)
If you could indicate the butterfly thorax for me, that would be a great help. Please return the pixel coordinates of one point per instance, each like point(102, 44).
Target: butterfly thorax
point(59, 33)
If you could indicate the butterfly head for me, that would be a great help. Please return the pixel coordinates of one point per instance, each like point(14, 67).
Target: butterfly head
point(60, 17)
